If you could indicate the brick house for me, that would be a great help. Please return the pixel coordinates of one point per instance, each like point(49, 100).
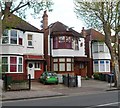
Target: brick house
point(97, 51)
point(64, 49)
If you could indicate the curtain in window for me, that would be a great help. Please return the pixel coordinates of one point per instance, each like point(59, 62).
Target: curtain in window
point(13, 64)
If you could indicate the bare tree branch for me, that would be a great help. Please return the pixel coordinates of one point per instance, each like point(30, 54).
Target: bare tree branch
point(19, 7)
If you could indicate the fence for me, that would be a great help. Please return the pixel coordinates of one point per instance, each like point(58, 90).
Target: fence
point(70, 81)
point(18, 82)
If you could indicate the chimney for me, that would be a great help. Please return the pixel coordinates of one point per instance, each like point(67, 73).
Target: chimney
point(83, 32)
point(45, 20)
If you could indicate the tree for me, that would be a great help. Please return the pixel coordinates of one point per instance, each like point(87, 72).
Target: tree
point(103, 16)
point(20, 8)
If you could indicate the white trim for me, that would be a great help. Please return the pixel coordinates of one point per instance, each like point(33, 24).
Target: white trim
point(99, 68)
point(16, 64)
point(9, 38)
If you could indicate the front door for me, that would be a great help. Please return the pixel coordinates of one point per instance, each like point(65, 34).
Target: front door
point(31, 69)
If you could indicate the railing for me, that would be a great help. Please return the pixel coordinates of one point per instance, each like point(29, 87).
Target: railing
point(18, 82)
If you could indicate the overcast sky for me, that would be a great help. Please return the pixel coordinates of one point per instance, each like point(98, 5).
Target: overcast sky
point(63, 11)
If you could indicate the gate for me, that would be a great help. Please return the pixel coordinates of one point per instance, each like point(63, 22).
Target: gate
point(18, 82)
point(70, 81)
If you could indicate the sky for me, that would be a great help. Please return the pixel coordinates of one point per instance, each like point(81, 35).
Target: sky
point(63, 11)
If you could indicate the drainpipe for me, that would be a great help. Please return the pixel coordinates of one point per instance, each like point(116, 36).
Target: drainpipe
point(50, 37)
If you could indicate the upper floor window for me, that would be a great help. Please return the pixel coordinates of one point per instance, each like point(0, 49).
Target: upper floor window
point(12, 37)
point(65, 42)
point(30, 40)
point(99, 47)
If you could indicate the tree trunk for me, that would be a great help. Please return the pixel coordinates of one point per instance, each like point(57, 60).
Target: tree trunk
point(113, 52)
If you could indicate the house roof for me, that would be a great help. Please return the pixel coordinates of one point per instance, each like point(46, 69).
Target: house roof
point(13, 21)
point(60, 28)
point(95, 35)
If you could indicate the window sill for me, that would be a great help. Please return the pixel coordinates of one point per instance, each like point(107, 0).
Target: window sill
point(37, 69)
point(30, 47)
point(12, 45)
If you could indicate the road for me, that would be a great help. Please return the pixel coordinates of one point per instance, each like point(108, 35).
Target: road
point(109, 98)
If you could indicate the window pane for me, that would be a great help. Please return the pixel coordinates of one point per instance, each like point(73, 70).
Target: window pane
point(5, 40)
point(107, 66)
point(61, 66)
point(37, 65)
point(13, 33)
point(62, 60)
point(13, 60)
point(55, 67)
point(29, 43)
point(19, 68)
point(13, 68)
point(5, 33)
point(20, 41)
point(55, 60)
point(5, 68)
point(68, 42)
point(81, 65)
point(96, 66)
point(20, 35)
point(55, 42)
point(68, 66)
point(96, 62)
point(61, 42)
point(68, 59)
point(102, 66)
point(29, 37)
point(101, 48)
point(13, 40)
point(20, 60)
point(4, 60)
point(95, 47)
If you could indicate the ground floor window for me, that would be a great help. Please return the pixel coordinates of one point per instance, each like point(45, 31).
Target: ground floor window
point(12, 64)
point(63, 64)
point(37, 65)
point(101, 65)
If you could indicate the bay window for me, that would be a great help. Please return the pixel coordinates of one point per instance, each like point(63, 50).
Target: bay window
point(12, 36)
point(101, 65)
point(12, 64)
point(63, 64)
point(65, 42)
point(100, 47)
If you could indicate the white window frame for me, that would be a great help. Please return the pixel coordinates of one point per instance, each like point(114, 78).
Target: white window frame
point(38, 68)
point(105, 66)
point(17, 64)
point(29, 40)
point(9, 37)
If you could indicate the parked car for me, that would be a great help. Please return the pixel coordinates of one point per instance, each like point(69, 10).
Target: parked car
point(49, 77)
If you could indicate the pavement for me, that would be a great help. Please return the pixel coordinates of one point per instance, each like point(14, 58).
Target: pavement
point(39, 90)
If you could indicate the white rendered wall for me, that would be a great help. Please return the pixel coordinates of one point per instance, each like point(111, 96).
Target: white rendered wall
point(38, 46)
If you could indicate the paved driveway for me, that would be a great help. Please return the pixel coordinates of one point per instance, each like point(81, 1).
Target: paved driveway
point(87, 86)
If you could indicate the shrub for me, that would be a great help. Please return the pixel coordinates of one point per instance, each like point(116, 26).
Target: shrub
point(96, 76)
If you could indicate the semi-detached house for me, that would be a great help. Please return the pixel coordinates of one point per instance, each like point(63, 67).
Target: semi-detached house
point(64, 49)
point(21, 49)
point(97, 51)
